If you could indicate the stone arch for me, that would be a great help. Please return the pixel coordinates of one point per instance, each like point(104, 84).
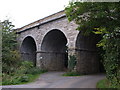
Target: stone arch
point(53, 51)
point(86, 53)
point(28, 49)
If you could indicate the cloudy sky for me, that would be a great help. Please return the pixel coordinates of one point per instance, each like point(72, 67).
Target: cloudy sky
point(23, 12)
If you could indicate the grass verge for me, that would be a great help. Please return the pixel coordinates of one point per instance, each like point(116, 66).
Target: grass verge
point(105, 84)
point(71, 74)
point(18, 79)
point(0, 79)
point(0, 83)
point(32, 78)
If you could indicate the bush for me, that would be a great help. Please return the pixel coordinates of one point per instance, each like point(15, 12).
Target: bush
point(24, 73)
point(106, 84)
point(35, 70)
point(13, 69)
point(10, 62)
point(10, 80)
point(10, 54)
point(21, 78)
point(27, 64)
point(111, 45)
point(13, 80)
point(24, 78)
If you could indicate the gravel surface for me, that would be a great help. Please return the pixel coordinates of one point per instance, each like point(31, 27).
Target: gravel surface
point(56, 80)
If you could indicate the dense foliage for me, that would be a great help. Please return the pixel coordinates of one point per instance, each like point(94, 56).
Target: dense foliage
point(105, 84)
point(92, 15)
point(26, 72)
point(14, 70)
point(101, 18)
point(10, 55)
point(111, 45)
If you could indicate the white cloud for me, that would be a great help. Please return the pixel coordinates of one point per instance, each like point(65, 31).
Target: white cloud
point(23, 12)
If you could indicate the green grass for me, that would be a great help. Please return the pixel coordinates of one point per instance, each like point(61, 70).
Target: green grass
point(0, 83)
point(0, 79)
point(24, 73)
point(32, 78)
point(105, 84)
point(71, 74)
point(21, 79)
point(102, 84)
point(18, 79)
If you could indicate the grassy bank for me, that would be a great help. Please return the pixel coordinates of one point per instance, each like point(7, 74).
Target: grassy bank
point(32, 78)
point(28, 77)
point(105, 84)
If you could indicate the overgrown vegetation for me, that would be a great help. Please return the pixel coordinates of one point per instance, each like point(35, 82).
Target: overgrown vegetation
point(71, 74)
point(14, 71)
point(101, 18)
point(111, 45)
point(105, 84)
point(0, 54)
point(71, 66)
point(25, 73)
point(10, 55)
point(71, 62)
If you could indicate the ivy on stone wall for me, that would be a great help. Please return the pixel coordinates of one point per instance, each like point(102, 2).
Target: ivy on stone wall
point(71, 62)
point(101, 18)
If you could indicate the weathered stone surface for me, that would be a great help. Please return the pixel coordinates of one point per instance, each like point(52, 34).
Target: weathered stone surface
point(51, 51)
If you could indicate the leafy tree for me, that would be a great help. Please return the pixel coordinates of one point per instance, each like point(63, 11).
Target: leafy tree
point(0, 42)
point(92, 15)
point(14, 70)
point(10, 56)
point(101, 18)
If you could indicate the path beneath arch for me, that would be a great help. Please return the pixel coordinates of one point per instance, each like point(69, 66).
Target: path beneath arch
point(56, 80)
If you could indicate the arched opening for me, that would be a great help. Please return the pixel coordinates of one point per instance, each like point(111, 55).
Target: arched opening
point(87, 53)
point(28, 50)
point(54, 51)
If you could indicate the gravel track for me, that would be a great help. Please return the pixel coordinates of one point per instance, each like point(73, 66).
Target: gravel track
point(56, 80)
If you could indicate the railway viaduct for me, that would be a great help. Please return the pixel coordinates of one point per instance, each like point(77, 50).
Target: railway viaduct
point(49, 41)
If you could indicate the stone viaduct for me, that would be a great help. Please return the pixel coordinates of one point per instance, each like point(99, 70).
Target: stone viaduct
point(49, 41)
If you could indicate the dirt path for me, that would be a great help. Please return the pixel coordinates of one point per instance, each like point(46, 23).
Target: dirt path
point(56, 80)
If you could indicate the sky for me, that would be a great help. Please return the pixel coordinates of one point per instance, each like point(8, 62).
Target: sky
point(23, 12)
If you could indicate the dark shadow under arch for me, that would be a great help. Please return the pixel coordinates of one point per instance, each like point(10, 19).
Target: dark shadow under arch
point(53, 51)
point(28, 49)
point(87, 54)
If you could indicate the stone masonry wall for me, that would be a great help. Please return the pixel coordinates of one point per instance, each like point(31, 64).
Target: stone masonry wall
point(39, 32)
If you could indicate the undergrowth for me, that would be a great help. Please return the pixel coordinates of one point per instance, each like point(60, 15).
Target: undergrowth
point(71, 74)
